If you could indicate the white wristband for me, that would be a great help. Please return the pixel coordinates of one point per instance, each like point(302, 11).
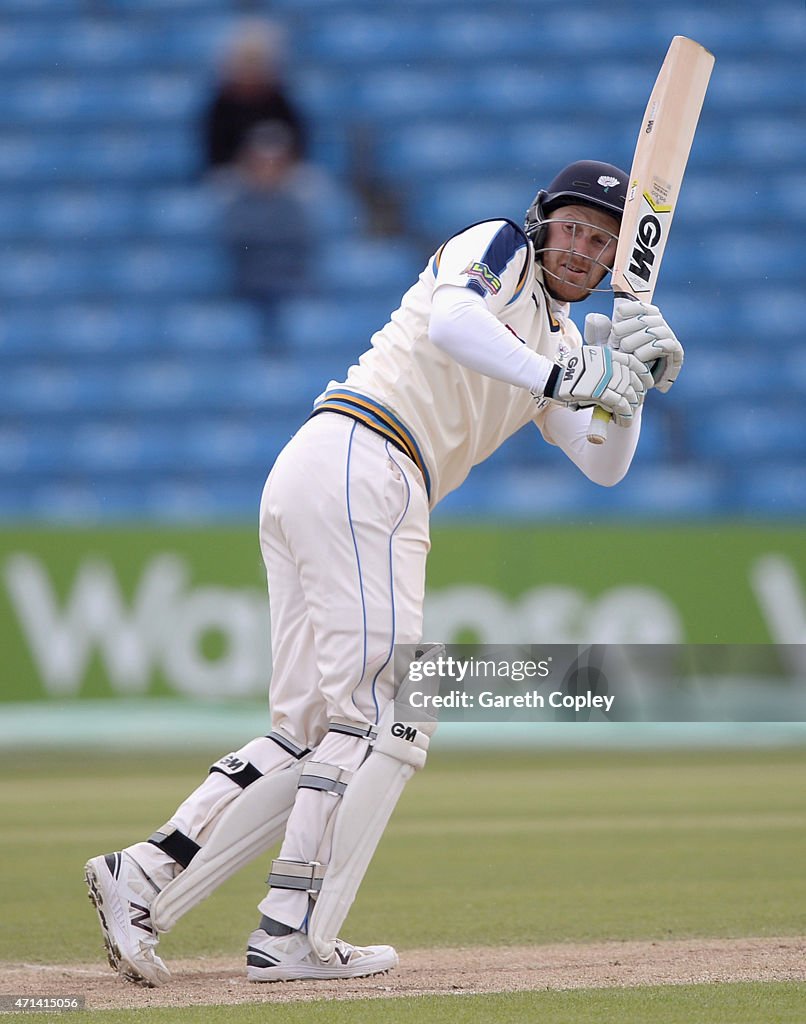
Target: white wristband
point(544, 370)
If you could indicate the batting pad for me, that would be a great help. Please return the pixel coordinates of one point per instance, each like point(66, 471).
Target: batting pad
point(248, 827)
point(367, 804)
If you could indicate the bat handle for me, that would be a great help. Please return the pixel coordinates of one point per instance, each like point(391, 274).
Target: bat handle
point(597, 431)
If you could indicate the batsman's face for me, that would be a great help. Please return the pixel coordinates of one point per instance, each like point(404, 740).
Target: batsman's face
point(578, 251)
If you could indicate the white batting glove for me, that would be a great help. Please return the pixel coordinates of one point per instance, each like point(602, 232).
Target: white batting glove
point(599, 330)
point(598, 376)
point(639, 328)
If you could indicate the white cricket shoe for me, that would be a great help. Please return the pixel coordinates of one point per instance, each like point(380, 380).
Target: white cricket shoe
point(122, 895)
point(291, 958)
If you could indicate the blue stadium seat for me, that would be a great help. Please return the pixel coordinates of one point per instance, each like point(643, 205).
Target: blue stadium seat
point(542, 147)
point(15, 216)
point(82, 214)
point(173, 8)
point(777, 31)
point(540, 492)
point(469, 35)
point(776, 489)
point(79, 327)
point(377, 38)
point(123, 349)
point(23, 46)
point(141, 269)
point(162, 269)
point(443, 210)
point(233, 498)
point(146, 154)
point(363, 265)
point(232, 445)
point(732, 28)
point(436, 149)
point(747, 429)
point(270, 388)
point(413, 92)
point(736, 255)
point(740, 372)
point(714, 197)
point(123, 328)
point(667, 492)
point(43, 390)
point(795, 363)
point(180, 212)
point(226, 326)
point(748, 141)
point(512, 87)
point(124, 447)
point(318, 325)
point(63, 99)
point(785, 196)
point(25, 452)
point(94, 156)
point(77, 500)
point(323, 94)
point(34, 272)
point(102, 44)
point(743, 85)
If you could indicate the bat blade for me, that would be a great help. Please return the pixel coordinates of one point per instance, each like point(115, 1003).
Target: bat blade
point(659, 163)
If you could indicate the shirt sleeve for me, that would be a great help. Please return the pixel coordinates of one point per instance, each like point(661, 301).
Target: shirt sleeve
point(490, 259)
point(604, 464)
point(463, 327)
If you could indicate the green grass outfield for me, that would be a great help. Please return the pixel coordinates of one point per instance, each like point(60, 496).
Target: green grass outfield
point(487, 849)
point(686, 1004)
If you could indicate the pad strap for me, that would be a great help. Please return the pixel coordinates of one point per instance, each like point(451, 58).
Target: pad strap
point(176, 844)
point(304, 876)
point(348, 728)
point(288, 746)
point(328, 778)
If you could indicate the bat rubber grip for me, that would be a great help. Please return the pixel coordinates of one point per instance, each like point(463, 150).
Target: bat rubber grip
point(597, 431)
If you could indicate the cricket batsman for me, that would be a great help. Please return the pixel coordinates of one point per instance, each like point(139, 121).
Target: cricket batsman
point(481, 346)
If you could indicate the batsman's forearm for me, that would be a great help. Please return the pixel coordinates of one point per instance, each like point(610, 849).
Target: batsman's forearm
point(463, 327)
point(604, 464)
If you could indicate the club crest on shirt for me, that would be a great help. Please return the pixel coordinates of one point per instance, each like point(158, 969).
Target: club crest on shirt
point(486, 278)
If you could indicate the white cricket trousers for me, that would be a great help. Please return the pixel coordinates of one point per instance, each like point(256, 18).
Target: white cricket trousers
point(344, 535)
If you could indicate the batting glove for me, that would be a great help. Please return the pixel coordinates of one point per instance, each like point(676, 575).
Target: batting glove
point(640, 330)
point(598, 376)
point(599, 330)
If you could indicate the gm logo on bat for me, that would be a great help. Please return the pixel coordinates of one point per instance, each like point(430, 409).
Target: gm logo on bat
point(648, 242)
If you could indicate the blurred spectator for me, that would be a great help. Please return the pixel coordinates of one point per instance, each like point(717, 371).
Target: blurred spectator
point(265, 221)
point(250, 91)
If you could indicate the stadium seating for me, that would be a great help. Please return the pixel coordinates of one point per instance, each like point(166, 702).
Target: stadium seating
point(137, 385)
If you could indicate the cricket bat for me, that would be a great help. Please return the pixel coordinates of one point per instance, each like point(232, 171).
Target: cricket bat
point(658, 165)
